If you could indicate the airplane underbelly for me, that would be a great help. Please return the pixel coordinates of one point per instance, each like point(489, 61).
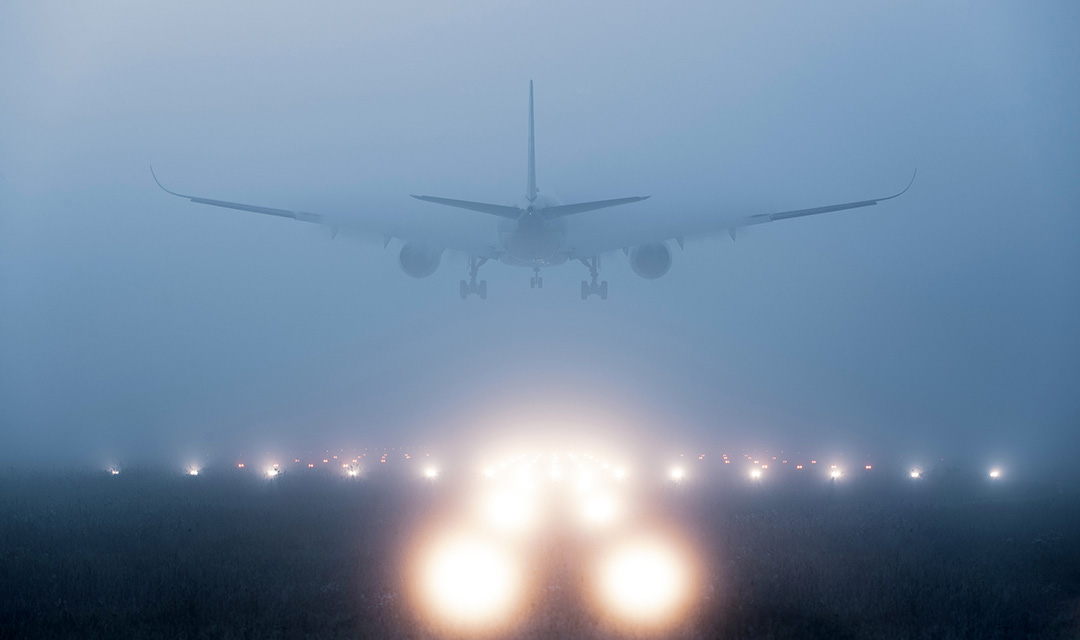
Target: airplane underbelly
point(533, 249)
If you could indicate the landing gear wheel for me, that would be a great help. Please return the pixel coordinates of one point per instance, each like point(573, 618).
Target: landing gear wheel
point(603, 290)
point(482, 289)
point(584, 290)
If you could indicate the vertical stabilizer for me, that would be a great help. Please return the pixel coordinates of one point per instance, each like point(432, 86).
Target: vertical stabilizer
point(530, 188)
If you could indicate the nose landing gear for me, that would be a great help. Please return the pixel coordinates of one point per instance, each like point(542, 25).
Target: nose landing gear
point(590, 288)
point(472, 286)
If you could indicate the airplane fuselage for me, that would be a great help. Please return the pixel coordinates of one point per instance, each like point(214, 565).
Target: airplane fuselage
point(532, 240)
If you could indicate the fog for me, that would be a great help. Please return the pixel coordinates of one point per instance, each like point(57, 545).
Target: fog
point(942, 323)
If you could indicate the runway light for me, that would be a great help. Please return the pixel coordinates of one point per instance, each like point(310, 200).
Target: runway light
point(599, 510)
point(467, 582)
point(114, 472)
point(240, 465)
point(835, 474)
point(353, 473)
point(643, 582)
point(798, 466)
point(431, 473)
point(508, 511)
point(677, 474)
point(271, 472)
point(915, 473)
point(193, 471)
point(755, 473)
point(995, 473)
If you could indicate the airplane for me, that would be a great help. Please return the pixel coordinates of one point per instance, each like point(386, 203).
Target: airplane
point(534, 233)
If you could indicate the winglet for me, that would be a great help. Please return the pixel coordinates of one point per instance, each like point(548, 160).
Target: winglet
point(904, 190)
point(163, 186)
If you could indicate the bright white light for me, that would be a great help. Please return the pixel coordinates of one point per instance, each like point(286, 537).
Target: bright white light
point(468, 582)
point(677, 474)
point(915, 473)
point(271, 472)
point(489, 472)
point(619, 473)
point(431, 473)
point(508, 511)
point(995, 473)
point(643, 581)
point(353, 473)
point(115, 472)
point(599, 509)
point(193, 471)
point(835, 473)
point(755, 473)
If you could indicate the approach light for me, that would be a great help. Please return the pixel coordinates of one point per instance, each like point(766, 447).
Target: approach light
point(619, 473)
point(193, 471)
point(995, 473)
point(489, 472)
point(508, 511)
point(915, 473)
point(271, 472)
point(677, 474)
point(835, 474)
point(114, 472)
point(467, 582)
point(755, 473)
point(643, 581)
point(599, 509)
point(431, 473)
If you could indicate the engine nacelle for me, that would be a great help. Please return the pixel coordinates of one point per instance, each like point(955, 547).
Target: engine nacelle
point(650, 261)
point(419, 261)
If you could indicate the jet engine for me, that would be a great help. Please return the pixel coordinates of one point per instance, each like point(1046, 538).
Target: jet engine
point(650, 261)
point(419, 261)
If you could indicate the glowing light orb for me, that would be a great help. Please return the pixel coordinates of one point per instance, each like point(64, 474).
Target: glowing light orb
point(114, 472)
point(677, 474)
point(468, 582)
point(353, 473)
point(619, 473)
point(995, 473)
point(431, 473)
point(755, 473)
point(835, 474)
point(271, 472)
point(599, 510)
point(915, 473)
point(508, 511)
point(643, 582)
point(489, 472)
point(193, 472)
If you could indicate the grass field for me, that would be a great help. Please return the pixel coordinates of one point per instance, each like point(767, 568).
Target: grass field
point(152, 554)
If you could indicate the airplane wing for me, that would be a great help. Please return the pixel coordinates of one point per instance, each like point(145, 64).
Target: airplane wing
point(385, 231)
point(587, 247)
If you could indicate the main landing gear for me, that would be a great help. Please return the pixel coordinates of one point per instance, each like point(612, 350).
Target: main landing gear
point(589, 288)
point(472, 286)
point(536, 282)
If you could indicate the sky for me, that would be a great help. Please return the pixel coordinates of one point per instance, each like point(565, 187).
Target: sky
point(942, 323)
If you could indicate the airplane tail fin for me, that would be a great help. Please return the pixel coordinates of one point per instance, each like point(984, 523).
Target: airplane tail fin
point(530, 187)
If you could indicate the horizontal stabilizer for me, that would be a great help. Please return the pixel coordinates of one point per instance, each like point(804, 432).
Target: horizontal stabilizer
point(570, 209)
point(494, 209)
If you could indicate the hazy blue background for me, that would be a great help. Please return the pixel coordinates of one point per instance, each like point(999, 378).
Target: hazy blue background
point(942, 322)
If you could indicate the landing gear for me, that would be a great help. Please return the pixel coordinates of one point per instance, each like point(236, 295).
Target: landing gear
point(472, 286)
point(589, 288)
point(536, 282)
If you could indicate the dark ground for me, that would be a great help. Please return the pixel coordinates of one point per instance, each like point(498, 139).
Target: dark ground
point(228, 554)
